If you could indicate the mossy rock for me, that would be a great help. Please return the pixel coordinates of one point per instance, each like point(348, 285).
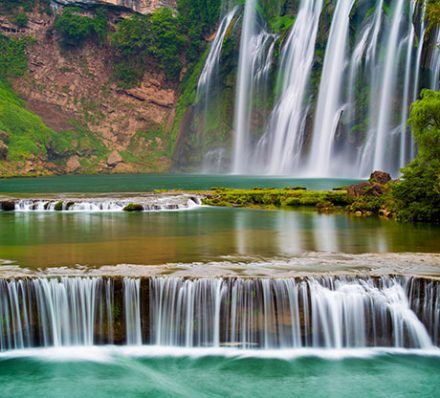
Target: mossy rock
point(133, 207)
point(58, 206)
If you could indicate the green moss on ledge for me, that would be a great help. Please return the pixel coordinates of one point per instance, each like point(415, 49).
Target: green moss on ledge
point(323, 201)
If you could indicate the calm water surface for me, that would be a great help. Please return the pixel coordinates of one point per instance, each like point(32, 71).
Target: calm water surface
point(149, 182)
point(204, 234)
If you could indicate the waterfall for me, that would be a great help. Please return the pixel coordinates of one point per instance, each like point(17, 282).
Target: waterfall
point(211, 64)
point(256, 49)
point(353, 121)
point(208, 80)
point(329, 107)
point(145, 203)
point(313, 312)
point(435, 62)
point(285, 134)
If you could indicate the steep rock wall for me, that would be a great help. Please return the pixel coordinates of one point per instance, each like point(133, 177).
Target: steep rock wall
point(141, 6)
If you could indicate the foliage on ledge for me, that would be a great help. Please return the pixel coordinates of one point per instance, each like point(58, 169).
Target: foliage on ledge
point(417, 196)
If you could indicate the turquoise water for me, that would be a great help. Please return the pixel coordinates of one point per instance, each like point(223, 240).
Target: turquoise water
point(386, 375)
point(149, 182)
point(205, 234)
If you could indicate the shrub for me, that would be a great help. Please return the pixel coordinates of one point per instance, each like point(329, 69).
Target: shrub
point(76, 29)
point(140, 37)
point(13, 59)
point(417, 196)
point(21, 20)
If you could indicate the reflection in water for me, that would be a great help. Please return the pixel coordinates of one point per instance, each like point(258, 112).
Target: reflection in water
point(324, 233)
point(206, 234)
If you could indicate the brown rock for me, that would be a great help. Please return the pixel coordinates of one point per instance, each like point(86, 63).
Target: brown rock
point(113, 159)
point(3, 151)
point(360, 189)
point(379, 177)
point(72, 164)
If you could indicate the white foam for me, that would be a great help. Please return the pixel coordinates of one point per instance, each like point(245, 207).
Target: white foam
point(107, 354)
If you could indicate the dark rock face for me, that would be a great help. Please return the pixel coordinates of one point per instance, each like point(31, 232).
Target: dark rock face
point(379, 177)
point(7, 205)
point(376, 186)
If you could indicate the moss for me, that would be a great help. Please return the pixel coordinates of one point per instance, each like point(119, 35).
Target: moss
point(133, 207)
point(276, 197)
point(58, 206)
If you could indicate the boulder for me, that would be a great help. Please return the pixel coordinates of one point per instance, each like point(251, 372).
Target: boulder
point(72, 164)
point(379, 177)
point(114, 158)
point(3, 151)
point(7, 205)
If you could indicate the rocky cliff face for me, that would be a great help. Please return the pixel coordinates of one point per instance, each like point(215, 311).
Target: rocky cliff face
point(141, 6)
point(74, 88)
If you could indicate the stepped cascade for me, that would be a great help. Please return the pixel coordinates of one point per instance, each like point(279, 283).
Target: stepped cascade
point(313, 312)
point(329, 96)
point(103, 204)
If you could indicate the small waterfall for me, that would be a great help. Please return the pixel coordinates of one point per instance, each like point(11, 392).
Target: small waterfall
point(211, 64)
point(256, 49)
point(329, 107)
point(313, 312)
point(285, 135)
point(206, 87)
point(53, 312)
point(435, 62)
point(132, 311)
point(147, 203)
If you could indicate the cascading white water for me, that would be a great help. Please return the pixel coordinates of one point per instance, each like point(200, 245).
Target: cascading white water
point(330, 107)
point(404, 136)
point(316, 312)
point(65, 311)
point(152, 203)
point(212, 61)
point(285, 313)
point(284, 138)
point(212, 159)
point(256, 49)
point(132, 310)
point(381, 159)
point(435, 62)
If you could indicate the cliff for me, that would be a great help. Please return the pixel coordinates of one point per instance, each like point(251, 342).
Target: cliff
point(140, 6)
point(103, 126)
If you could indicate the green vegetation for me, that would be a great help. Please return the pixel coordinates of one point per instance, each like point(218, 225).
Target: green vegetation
point(287, 197)
point(21, 20)
point(13, 59)
point(417, 196)
point(141, 37)
point(133, 207)
point(27, 137)
point(75, 29)
point(433, 13)
point(196, 19)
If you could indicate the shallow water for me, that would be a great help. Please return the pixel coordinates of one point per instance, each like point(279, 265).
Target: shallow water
point(149, 182)
point(102, 373)
point(204, 234)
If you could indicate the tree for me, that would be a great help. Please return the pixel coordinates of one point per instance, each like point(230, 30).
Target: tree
point(417, 196)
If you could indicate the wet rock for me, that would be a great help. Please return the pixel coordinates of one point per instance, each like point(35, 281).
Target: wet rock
point(133, 207)
point(7, 205)
point(379, 177)
point(72, 164)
